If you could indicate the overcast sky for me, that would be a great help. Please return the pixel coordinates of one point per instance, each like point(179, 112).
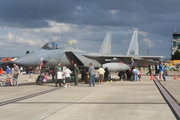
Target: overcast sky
point(29, 24)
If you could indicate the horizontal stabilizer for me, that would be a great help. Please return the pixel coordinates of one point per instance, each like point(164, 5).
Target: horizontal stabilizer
point(125, 58)
point(147, 62)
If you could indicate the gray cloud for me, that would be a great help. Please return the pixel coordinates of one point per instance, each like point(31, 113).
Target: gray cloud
point(86, 21)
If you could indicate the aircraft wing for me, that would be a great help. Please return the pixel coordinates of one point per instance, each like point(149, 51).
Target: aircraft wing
point(79, 59)
point(149, 60)
point(107, 58)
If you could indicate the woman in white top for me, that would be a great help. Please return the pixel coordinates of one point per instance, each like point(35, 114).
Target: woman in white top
point(59, 78)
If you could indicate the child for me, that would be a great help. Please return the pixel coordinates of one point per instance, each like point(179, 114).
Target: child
point(139, 74)
point(44, 79)
point(53, 74)
point(59, 78)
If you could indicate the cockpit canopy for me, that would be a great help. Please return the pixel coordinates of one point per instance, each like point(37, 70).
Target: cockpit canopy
point(52, 46)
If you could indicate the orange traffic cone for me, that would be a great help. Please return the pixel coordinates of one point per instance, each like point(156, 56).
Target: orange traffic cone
point(151, 77)
point(175, 77)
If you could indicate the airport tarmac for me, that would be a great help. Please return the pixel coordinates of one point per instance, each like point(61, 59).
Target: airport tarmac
point(125, 100)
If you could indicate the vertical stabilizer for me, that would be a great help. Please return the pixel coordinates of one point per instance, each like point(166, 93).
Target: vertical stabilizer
point(133, 47)
point(106, 45)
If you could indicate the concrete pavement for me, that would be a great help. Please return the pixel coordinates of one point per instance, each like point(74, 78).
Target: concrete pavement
point(125, 100)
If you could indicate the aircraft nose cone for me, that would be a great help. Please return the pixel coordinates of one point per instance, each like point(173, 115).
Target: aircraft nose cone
point(28, 59)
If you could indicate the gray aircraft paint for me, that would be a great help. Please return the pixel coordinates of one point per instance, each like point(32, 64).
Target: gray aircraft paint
point(131, 56)
point(106, 45)
point(133, 47)
point(65, 55)
point(116, 66)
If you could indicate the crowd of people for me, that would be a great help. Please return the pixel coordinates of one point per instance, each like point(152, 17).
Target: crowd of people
point(131, 74)
point(10, 74)
point(161, 70)
point(62, 76)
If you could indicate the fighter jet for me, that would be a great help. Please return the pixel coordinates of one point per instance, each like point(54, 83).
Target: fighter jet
point(53, 53)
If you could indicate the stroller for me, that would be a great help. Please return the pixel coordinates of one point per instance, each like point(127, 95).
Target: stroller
point(3, 80)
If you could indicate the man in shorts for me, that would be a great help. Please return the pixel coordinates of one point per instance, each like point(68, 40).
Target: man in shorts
point(16, 73)
point(101, 72)
point(67, 73)
point(160, 70)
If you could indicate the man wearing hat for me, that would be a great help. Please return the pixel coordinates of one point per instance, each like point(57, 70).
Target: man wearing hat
point(16, 73)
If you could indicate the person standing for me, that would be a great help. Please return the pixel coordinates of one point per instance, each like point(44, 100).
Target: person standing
point(59, 78)
point(107, 75)
point(16, 73)
point(1, 71)
point(121, 75)
point(83, 74)
point(128, 73)
point(156, 69)
point(56, 69)
point(150, 70)
point(8, 71)
point(43, 67)
point(67, 73)
point(101, 72)
point(163, 75)
point(139, 74)
point(91, 73)
point(160, 70)
point(76, 72)
point(135, 73)
point(44, 79)
point(30, 73)
point(21, 70)
point(52, 74)
point(166, 69)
